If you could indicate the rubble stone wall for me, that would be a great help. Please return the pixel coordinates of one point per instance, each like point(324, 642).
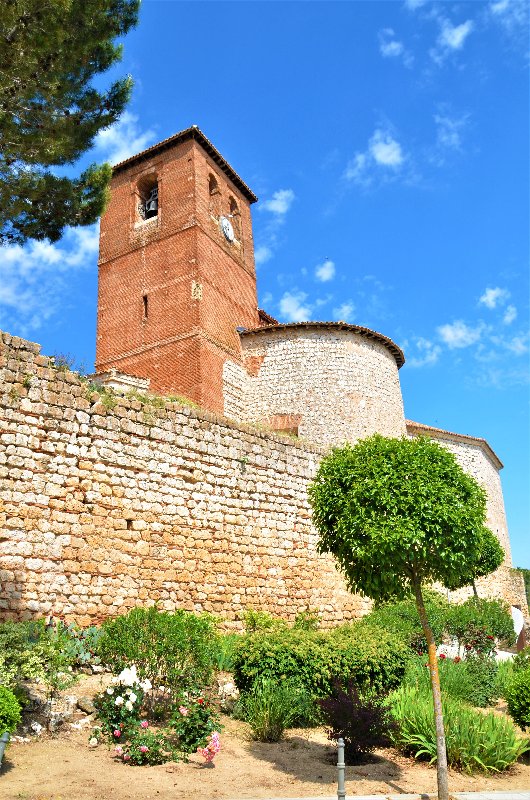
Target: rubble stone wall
point(107, 502)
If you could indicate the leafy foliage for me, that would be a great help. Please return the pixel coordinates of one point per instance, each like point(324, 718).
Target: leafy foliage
point(526, 577)
point(391, 510)
point(147, 746)
point(522, 660)
point(401, 618)
point(471, 680)
point(193, 720)
point(50, 111)
point(270, 708)
point(518, 697)
point(361, 721)
point(477, 623)
point(312, 659)
point(475, 741)
point(171, 649)
point(9, 710)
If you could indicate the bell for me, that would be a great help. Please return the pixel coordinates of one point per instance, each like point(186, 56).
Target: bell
point(151, 204)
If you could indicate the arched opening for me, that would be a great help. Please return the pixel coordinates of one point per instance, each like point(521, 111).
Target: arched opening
point(235, 216)
point(215, 196)
point(147, 197)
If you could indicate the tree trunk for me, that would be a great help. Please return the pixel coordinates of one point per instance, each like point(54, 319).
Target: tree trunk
point(475, 589)
point(441, 763)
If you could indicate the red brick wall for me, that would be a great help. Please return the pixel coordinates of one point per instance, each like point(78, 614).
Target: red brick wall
point(183, 342)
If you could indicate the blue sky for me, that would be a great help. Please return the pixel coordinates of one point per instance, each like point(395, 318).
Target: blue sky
point(388, 144)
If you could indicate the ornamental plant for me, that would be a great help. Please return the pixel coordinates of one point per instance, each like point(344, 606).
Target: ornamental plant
point(9, 710)
point(143, 745)
point(518, 698)
point(193, 721)
point(120, 705)
point(399, 515)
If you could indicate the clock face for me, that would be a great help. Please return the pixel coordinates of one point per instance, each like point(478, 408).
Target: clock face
point(226, 227)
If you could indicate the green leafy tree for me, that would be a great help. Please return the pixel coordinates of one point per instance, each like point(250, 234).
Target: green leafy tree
point(50, 111)
point(491, 556)
point(398, 515)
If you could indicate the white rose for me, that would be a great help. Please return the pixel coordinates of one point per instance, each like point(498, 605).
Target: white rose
point(129, 705)
point(93, 742)
point(110, 690)
point(119, 701)
point(133, 697)
point(146, 685)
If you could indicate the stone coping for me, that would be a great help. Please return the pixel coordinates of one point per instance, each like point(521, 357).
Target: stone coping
point(396, 351)
point(440, 433)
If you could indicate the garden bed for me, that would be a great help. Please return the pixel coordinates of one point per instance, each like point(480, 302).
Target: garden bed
point(63, 767)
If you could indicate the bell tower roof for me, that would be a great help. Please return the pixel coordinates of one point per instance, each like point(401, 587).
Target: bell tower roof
point(191, 133)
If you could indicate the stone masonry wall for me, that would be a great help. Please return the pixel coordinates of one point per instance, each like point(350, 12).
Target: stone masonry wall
point(102, 508)
point(342, 385)
point(110, 502)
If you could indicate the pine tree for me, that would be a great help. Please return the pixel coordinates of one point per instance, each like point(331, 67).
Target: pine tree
point(50, 112)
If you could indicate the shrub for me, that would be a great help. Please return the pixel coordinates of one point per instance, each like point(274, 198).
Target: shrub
point(311, 660)
point(9, 710)
point(175, 650)
point(471, 680)
point(145, 746)
point(401, 618)
point(518, 698)
point(224, 651)
point(21, 655)
point(270, 708)
point(261, 621)
point(475, 741)
point(522, 660)
point(477, 623)
point(363, 722)
point(193, 720)
point(505, 672)
point(119, 706)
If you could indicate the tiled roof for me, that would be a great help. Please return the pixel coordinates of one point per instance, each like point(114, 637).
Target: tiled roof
point(458, 437)
point(343, 326)
point(191, 133)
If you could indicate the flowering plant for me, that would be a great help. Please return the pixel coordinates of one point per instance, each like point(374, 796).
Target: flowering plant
point(193, 720)
point(119, 706)
point(146, 746)
point(211, 748)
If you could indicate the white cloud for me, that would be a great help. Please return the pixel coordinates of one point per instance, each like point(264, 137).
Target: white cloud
point(326, 271)
point(453, 37)
point(511, 14)
point(449, 130)
point(262, 254)
point(509, 315)
point(390, 47)
point(518, 345)
point(428, 353)
point(344, 312)
point(385, 150)
point(383, 156)
point(36, 277)
point(280, 202)
point(494, 297)
point(123, 139)
point(414, 4)
point(450, 39)
point(294, 308)
point(458, 334)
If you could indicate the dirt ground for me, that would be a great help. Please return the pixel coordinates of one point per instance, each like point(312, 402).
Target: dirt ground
point(65, 768)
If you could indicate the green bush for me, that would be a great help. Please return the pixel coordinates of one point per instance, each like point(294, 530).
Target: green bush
point(522, 660)
point(175, 650)
point(472, 680)
point(518, 698)
point(261, 621)
point(477, 623)
point(475, 741)
point(193, 720)
point(9, 710)
point(312, 659)
point(504, 675)
point(224, 651)
point(22, 656)
point(401, 618)
point(270, 708)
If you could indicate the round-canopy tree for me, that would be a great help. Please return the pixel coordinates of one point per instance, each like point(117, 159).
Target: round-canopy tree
point(399, 514)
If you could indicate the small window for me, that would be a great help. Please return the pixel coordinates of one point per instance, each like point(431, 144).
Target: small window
point(215, 196)
point(145, 306)
point(147, 197)
point(235, 217)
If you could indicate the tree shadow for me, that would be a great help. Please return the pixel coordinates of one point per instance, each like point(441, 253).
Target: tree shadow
point(316, 762)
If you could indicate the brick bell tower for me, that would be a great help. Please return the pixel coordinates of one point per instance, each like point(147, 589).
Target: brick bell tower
point(176, 268)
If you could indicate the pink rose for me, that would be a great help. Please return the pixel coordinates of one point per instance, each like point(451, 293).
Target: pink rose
point(118, 750)
point(117, 733)
point(183, 710)
point(126, 757)
point(144, 724)
point(144, 748)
